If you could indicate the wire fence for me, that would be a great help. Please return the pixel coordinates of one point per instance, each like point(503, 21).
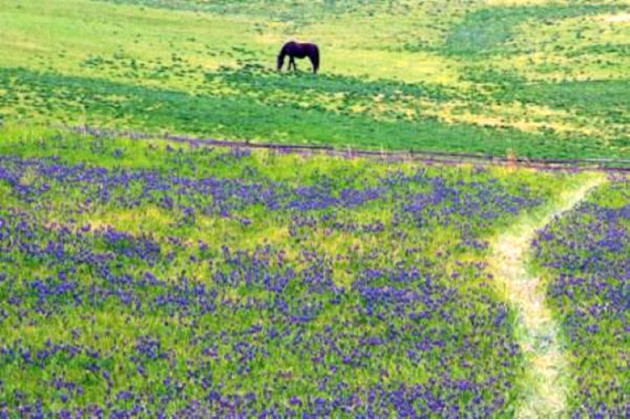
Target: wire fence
point(453, 158)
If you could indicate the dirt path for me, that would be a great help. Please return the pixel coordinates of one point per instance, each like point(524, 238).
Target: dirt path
point(545, 384)
point(622, 18)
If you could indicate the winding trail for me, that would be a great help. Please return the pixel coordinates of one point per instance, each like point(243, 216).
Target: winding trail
point(545, 384)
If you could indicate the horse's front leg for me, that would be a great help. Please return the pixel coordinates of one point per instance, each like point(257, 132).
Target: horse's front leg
point(292, 62)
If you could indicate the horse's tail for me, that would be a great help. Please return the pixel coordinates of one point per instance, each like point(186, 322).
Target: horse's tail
point(315, 58)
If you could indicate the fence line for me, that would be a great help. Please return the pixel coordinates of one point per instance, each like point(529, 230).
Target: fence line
point(604, 164)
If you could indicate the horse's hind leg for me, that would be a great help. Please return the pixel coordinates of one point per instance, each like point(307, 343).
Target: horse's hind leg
point(314, 56)
point(315, 63)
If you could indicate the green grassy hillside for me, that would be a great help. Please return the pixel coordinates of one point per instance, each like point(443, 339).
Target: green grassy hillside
point(541, 78)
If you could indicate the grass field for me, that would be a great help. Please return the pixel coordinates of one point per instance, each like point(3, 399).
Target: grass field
point(142, 277)
point(542, 79)
point(146, 280)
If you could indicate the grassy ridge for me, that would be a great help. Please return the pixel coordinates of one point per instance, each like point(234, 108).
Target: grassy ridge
point(102, 103)
point(300, 11)
point(204, 68)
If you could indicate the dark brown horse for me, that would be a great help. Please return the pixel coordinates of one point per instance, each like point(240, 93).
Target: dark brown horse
point(299, 50)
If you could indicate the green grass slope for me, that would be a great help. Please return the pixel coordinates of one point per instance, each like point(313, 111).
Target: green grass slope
point(539, 78)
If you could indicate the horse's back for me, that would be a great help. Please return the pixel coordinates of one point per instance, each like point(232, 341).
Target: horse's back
point(310, 49)
point(301, 47)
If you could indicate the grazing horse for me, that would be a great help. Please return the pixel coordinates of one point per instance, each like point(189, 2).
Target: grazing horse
point(299, 50)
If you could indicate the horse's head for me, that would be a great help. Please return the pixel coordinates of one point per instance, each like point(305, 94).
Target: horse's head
point(280, 60)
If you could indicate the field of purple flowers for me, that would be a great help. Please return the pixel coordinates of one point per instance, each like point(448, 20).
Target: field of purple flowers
point(587, 255)
point(143, 279)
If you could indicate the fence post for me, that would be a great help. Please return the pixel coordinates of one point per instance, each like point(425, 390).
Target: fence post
point(511, 159)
